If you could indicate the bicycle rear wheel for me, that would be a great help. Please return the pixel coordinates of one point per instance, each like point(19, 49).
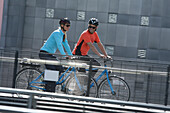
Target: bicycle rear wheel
point(120, 88)
point(26, 76)
point(73, 88)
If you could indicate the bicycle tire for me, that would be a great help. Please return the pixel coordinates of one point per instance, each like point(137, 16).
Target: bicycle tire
point(73, 89)
point(120, 87)
point(27, 75)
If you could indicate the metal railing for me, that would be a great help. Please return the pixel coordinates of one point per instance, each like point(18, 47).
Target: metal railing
point(18, 98)
point(114, 69)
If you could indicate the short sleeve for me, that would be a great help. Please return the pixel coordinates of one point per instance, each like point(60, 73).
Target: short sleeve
point(97, 39)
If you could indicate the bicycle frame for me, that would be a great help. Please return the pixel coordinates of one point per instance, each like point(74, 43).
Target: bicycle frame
point(59, 80)
point(107, 75)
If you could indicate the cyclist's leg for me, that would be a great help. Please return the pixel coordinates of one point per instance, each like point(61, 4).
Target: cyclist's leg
point(50, 85)
point(87, 59)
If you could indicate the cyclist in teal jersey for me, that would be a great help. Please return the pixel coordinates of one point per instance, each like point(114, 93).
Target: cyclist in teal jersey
point(55, 42)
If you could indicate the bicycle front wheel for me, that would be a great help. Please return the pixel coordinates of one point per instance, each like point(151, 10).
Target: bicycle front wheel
point(73, 88)
point(26, 77)
point(120, 91)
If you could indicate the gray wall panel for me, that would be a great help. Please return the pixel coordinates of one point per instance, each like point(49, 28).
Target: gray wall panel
point(30, 11)
point(82, 5)
point(155, 21)
point(80, 27)
point(13, 23)
point(48, 27)
point(103, 5)
point(123, 19)
point(164, 55)
point(152, 54)
point(56, 23)
point(11, 42)
point(102, 17)
point(111, 34)
point(102, 32)
point(90, 14)
point(92, 5)
point(114, 6)
point(157, 7)
point(41, 3)
point(17, 2)
point(29, 27)
point(30, 3)
point(60, 4)
point(132, 36)
point(27, 43)
point(50, 3)
point(143, 37)
point(164, 41)
point(40, 12)
point(127, 52)
point(134, 20)
point(59, 13)
point(166, 22)
point(135, 7)
point(71, 14)
point(121, 35)
point(154, 38)
point(14, 10)
point(71, 32)
point(72, 4)
point(124, 6)
point(146, 7)
point(37, 44)
point(166, 8)
point(39, 28)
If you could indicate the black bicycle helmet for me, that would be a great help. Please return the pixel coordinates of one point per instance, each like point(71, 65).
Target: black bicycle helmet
point(64, 21)
point(94, 21)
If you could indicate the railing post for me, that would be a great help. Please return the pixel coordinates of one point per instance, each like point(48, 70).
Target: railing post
point(15, 69)
point(148, 87)
point(89, 78)
point(167, 86)
point(31, 102)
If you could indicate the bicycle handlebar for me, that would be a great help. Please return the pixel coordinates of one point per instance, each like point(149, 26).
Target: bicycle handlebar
point(106, 60)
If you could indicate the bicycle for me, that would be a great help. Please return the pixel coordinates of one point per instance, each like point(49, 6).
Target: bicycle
point(112, 86)
point(32, 78)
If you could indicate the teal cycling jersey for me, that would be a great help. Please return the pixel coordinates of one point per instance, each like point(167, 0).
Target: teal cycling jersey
point(55, 41)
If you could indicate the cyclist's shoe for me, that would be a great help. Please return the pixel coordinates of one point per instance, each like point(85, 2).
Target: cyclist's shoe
point(63, 89)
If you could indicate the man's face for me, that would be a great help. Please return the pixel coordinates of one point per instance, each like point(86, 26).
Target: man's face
point(92, 28)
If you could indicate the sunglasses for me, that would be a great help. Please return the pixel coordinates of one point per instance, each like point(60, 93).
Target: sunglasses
point(67, 25)
point(92, 27)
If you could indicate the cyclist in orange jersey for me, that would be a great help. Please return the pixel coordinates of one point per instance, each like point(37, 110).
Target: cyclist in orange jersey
point(86, 40)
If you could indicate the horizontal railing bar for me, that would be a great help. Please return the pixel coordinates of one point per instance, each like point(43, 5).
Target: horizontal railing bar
point(93, 106)
point(13, 103)
point(83, 65)
point(12, 109)
point(13, 99)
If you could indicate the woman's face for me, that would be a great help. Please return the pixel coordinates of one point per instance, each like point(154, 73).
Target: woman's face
point(66, 26)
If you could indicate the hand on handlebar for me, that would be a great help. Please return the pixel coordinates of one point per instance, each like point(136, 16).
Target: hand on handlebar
point(109, 57)
point(69, 57)
point(105, 57)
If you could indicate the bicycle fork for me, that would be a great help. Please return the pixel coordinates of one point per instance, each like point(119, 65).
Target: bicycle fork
point(111, 88)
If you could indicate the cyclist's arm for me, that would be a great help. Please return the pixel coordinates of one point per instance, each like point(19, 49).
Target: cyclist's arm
point(100, 45)
point(94, 49)
point(67, 47)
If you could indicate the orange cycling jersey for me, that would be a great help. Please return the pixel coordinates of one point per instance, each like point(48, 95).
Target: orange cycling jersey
point(81, 47)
